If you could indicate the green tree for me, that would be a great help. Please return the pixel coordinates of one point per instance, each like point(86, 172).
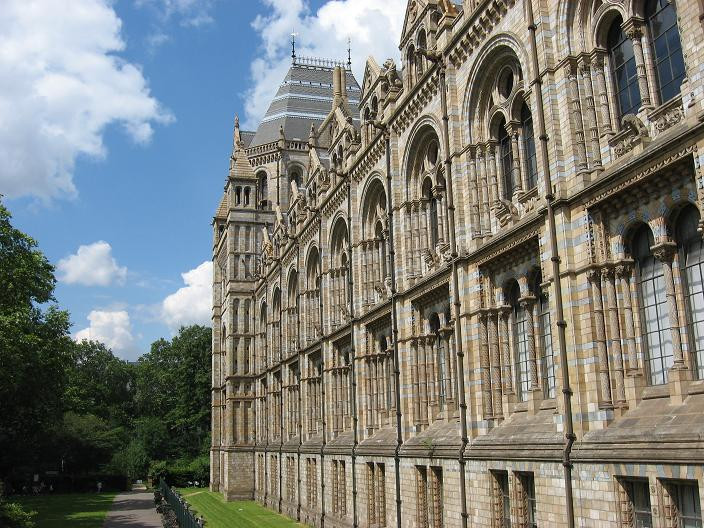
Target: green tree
point(173, 383)
point(36, 351)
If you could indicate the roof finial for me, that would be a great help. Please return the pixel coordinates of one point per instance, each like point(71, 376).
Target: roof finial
point(349, 53)
point(293, 47)
point(237, 138)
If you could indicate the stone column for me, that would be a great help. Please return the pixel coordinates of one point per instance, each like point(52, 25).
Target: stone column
point(624, 272)
point(484, 191)
point(495, 364)
point(518, 182)
point(528, 304)
point(607, 274)
point(584, 70)
point(484, 365)
point(474, 193)
point(504, 314)
point(491, 169)
point(600, 82)
point(665, 252)
point(635, 33)
point(576, 107)
point(594, 276)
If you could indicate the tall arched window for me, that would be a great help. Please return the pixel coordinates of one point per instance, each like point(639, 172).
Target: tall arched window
point(432, 211)
point(440, 359)
point(544, 337)
point(531, 159)
point(623, 68)
point(520, 340)
point(666, 46)
point(692, 258)
point(506, 157)
point(422, 44)
point(262, 190)
point(410, 61)
point(655, 323)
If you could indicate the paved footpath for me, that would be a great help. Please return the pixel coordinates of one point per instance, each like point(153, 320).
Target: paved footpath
point(133, 509)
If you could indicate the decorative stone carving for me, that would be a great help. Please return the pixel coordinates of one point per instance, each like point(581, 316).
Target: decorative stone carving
point(391, 76)
point(505, 212)
point(669, 119)
point(634, 135)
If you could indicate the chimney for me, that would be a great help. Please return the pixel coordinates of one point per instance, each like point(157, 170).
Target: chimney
point(343, 83)
point(336, 86)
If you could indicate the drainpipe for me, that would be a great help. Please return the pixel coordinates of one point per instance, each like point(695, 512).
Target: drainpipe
point(353, 378)
point(266, 395)
point(281, 393)
point(555, 260)
point(437, 58)
point(394, 319)
point(300, 364)
point(322, 375)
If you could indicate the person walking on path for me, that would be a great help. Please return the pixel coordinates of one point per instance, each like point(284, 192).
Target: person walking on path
point(133, 509)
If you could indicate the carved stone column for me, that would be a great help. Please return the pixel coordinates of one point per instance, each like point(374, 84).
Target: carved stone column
point(491, 163)
point(594, 276)
point(484, 365)
point(504, 314)
point(484, 191)
point(608, 277)
point(474, 193)
point(624, 272)
point(528, 304)
point(516, 168)
point(495, 364)
point(634, 31)
point(585, 74)
point(600, 83)
point(665, 252)
point(576, 108)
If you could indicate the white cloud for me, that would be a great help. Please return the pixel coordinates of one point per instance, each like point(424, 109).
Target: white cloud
point(92, 265)
point(191, 304)
point(113, 328)
point(374, 27)
point(61, 85)
point(189, 12)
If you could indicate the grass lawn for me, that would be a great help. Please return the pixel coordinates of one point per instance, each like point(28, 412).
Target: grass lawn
point(79, 510)
point(243, 514)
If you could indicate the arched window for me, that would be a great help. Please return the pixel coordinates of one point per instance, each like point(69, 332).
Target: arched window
point(667, 47)
point(410, 61)
point(520, 340)
point(263, 191)
point(432, 211)
point(692, 258)
point(531, 159)
point(506, 157)
point(238, 195)
point(623, 68)
point(246, 195)
point(655, 324)
point(422, 44)
point(295, 176)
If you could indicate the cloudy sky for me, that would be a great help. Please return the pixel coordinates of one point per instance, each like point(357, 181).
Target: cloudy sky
point(116, 128)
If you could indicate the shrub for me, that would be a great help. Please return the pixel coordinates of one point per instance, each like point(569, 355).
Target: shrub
point(13, 516)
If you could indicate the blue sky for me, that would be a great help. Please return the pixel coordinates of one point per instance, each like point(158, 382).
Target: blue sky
point(120, 128)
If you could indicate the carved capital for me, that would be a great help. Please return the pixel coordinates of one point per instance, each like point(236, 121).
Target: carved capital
point(624, 270)
point(664, 251)
point(527, 301)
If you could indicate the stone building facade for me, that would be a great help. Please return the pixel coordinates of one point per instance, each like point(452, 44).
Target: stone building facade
point(470, 292)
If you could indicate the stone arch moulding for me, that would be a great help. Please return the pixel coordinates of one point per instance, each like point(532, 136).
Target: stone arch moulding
point(480, 82)
point(422, 127)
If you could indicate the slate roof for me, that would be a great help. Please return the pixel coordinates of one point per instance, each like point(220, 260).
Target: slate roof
point(304, 99)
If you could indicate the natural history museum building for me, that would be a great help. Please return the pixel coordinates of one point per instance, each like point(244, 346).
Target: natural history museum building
point(469, 292)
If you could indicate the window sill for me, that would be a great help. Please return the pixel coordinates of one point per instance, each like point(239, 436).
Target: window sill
point(656, 391)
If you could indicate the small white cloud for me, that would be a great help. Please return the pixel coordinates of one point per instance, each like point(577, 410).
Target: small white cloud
point(374, 27)
point(92, 265)
point(68, 84)
point(188, 12)
point(191, 304)
point(112, 328)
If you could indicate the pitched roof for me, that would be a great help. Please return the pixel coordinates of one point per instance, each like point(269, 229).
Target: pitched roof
point(304, 99)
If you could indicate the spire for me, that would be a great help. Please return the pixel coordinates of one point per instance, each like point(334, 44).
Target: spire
point(236, 137)
point(293, 47)
point(349, 53)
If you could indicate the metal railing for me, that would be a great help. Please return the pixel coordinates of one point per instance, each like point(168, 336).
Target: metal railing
point(186, 518)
